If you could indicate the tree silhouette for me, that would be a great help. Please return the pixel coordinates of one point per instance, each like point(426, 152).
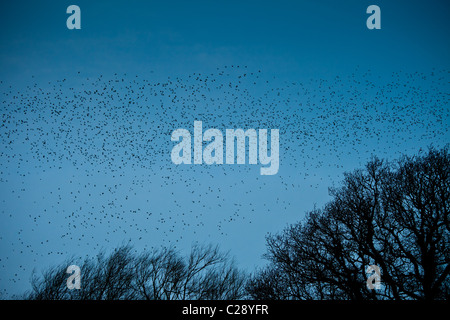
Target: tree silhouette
point(390, 214)
point(393, 215)
point(163, 274)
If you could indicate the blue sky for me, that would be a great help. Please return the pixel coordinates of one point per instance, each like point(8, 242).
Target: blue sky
point(83, 170)
point(287, 37)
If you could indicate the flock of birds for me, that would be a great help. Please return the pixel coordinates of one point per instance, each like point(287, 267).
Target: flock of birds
point(86, 161)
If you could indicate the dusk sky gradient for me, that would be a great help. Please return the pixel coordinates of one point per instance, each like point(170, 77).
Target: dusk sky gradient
point(82, 171)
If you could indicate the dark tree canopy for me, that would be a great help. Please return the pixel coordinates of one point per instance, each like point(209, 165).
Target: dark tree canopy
point(392, 215)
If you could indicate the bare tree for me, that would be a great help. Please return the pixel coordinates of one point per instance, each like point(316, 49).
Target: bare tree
point(393, 215)
point(206, 273)
point(270, 283)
